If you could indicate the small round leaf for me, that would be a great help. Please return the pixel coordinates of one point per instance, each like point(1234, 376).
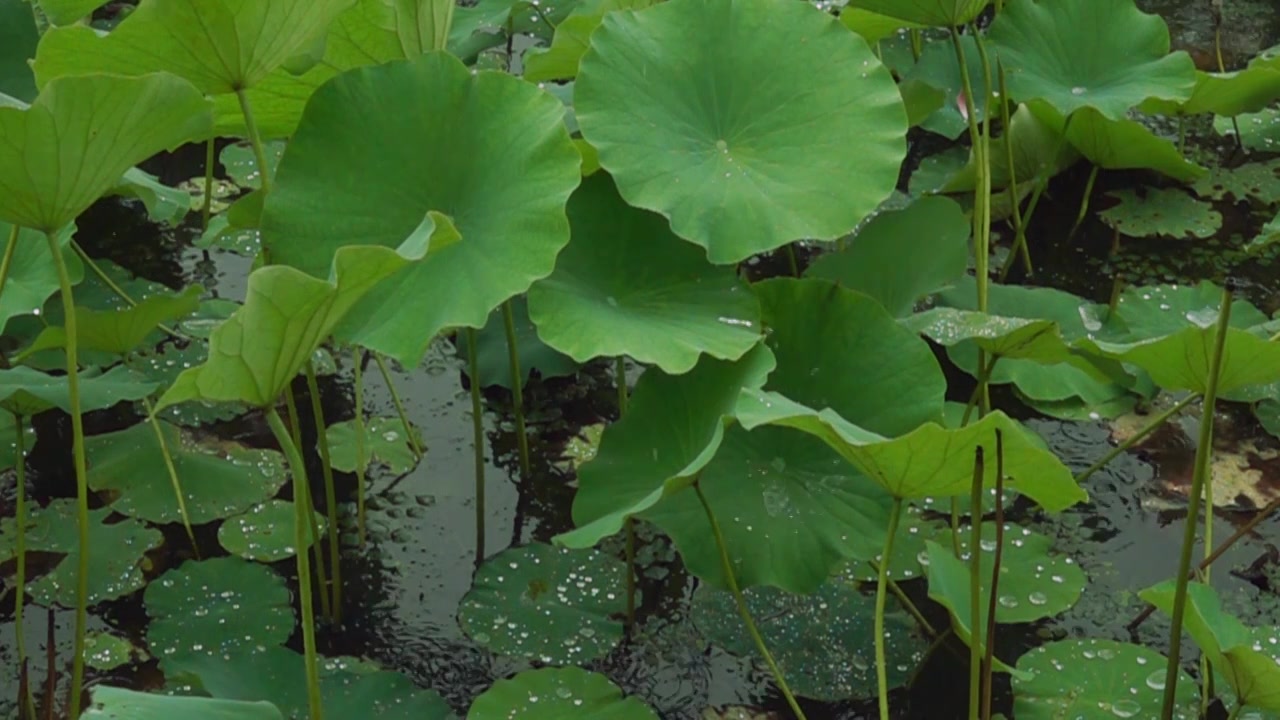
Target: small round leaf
point(265, 533)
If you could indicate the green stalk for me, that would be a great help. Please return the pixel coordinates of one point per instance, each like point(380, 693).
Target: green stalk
point(1084, 200)
point(620, 380)
point(301, 498)
point(82, 484)
point(517, 387)
point(174, 480)
point(206, 208)
point(358, 361)
point(1020, 242)
point(975, 586)
point(989, 661)
point(9, 249)
point(330, 494)
point(414, 446)
point(20, 546)
point(1204, 451)
point(1236, 712)
point(882, 580)
point(1151, 426)
point(982, 194)
point(1014, 202)
point(726, 564)
point(255, 140)
point(295, 435)
point(792, 264)
point(477, 432)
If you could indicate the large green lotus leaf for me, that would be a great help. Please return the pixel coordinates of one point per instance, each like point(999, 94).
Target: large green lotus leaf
point(791, 511)
point(1038, 153)
point(493, 359)
point(220, 46)
point(1181, 361)
point(1119, 144)
point(219, 478)
point(117, 550)
point(555, 693)
point(165, 364)
point(32, 276)
point(935, 13)
point(256, 352)
point(381, 147)
point(123, 331)
point(110, 703)
point(1034, 583)
point(1257, 181)
point(215, 607)
point(753, 149)
point(822, 641)
point(930, 460)
point(1230, 94)
point(560, 60)
point(934, 230)
point(27, 391)
point(949, 586)
point(841, 350)
point(673, 427)
point(18, 39)
point(385, 442)
point(81, 134)
point(554, 604)
point(939, 69)
point(872, 26)
point(1168, 212)
point(1259, 131)
point(1097, 679)
point(265, 532)
point(626, 286)
point(1253, 674)
point(1102, 54)
point(1151, 311)
point(348, 688)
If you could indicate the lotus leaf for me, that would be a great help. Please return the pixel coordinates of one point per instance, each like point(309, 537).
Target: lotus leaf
point(32, 278)
point(937, 13)
point(111, 703)
point(265, 532)
point(163, 203)
point(105, 651)
point(673, 426)
point(1039, 153)
point(1101, 54)
point(215, 607)
point(1230, 94)
point(626, 286)
point(164, 365)
point(1180, 361)
point(754, 149)
point(1151, 311)
point(1259, 131)
point(493, 354)
point(123, 331)
point(552, 604)
point(18, 39)
point(81, 134)
point(241, 166)
point(118, 550)
point(1266, 642)
point(1165, 212)
point(1119, 144)
point(949, 586)
point(930, 460)
point(385, 442)
point(9, 448)
point(573, 36)
point(426, 128)
point(822, 641)
point(870, 262)
point(555, 693)
point(26, 391)
point(938, 68)
point(219, 479)
point(220, 46)
point(1250, 671)
point(1097, 679)
point(873, 26)
point(1258, 181)
point(349, 689)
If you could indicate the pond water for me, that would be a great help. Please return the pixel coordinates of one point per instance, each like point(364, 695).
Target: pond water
point(404, 588)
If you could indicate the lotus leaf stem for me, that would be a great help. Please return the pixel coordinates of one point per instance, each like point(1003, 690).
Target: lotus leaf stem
point(793, 265)
point(82, 484)
point(10, 248)
point(984, 378)
point(726, 564)
point(174, 480)
point(982, 194)
point(882, 581)
point(1042, 184)
point(911, 608)
point(20, 547)
point(1235, 712)
point(358, 362)
point(1204, 451)
point(115, 287)
point(477, 434)
point(989, 661)
point(917, 44)
point(255, 140)
point(1151, 426)
point(295, 436)
point(330, 493)
point(1084, 199)
point(1015, 203)
point(206, 207)
point(51, 666)
point(414, 445)
point(517, 387)
point(975, 585)
point(620, 380)
point(301, 499)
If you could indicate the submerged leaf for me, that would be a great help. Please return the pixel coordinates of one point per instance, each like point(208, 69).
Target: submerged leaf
point(556, 693)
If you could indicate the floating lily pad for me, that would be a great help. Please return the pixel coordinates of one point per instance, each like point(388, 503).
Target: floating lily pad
point(117, 550)
point(949, 585)
point(626, 285)
point(1259, 181)
point(111, 703)
point(242, 167)
point(214, 607)
point(822, 642)
point(1152, 311)
point(1097, 679)
point(1106, 55)
point(553, 604)
point(555, 693)
point(265, 532)
point(582, 447)
point(105, 651)
point(493, 355)
point(1259, 131)
point(219, 479)
point(1161, 212)
point(348, 688)
point(385, 442)
point(757, 167)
